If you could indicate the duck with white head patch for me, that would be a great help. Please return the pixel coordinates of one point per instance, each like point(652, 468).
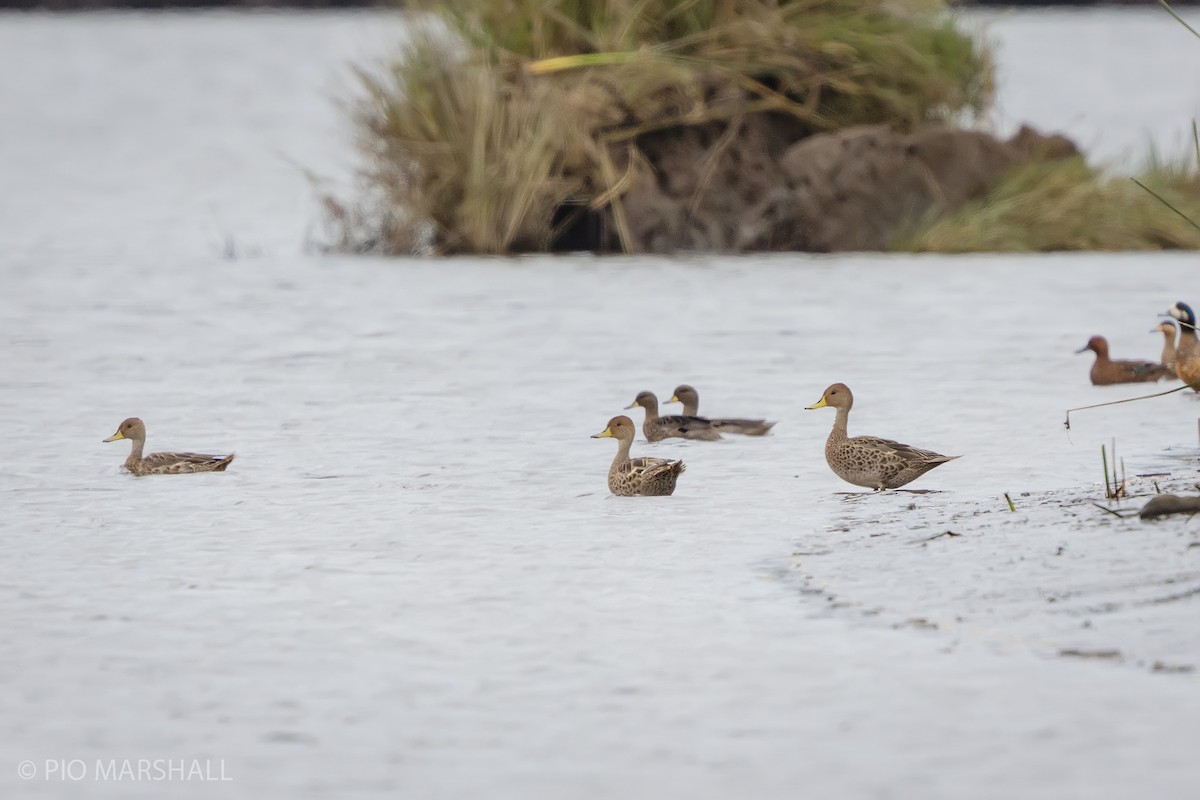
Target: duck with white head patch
point(1187, 352)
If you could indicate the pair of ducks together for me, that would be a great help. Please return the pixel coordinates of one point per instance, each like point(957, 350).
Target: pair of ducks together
point(1178, 360)
point(861, 460)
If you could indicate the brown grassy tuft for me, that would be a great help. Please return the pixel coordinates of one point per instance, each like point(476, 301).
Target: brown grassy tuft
point(539, 104)
point(1067, 205)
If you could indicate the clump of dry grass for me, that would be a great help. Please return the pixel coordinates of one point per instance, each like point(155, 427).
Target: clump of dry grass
point(450, 142)
point(538, 105)
point(1067, 205)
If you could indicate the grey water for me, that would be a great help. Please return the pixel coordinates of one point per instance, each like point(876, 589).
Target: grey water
point(412, 580)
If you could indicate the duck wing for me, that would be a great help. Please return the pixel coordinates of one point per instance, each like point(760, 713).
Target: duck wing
point(688, 427)
point(746, 427)
point(905, 452)
point(645, 466)
point(172, 463)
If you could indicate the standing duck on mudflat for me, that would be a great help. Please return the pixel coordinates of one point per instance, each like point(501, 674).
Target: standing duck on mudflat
point(134, 430)
point(1105, 371)
point(632, 477)
point(1187, 352)
point(677, 426)
point(691, 407)
point(868, 460)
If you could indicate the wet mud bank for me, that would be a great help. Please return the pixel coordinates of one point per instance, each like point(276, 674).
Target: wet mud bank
point(1058, 576)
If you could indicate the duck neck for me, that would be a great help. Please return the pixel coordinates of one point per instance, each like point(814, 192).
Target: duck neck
point(839, 431)
point(623, 446)
point(691, 408)
point(135, 453)
point(1168, 351)
point(651, 409)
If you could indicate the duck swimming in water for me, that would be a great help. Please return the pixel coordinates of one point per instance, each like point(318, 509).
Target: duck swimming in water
point(677, 426)
point(1105, 371)
point(691, 407)
point(631, 477)
point(134, 430)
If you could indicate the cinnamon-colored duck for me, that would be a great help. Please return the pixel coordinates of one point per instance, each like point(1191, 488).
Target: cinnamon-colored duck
point(1105, 371)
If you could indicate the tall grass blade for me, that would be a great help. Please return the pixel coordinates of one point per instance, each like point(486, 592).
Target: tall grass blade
point(1104, 463)
point(1167, 203)
point(1178, 18)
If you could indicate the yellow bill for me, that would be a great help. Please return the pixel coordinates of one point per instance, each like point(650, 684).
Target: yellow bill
point(634, 404)
point(674, 399)
point(115, 436)
point(604, 434)
point(819, 404)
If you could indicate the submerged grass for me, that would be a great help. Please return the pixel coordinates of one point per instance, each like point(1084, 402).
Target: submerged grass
point(532, 106)
point(1067, 205)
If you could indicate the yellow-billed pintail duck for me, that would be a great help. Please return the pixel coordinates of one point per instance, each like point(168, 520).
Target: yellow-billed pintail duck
point(680, 426)
point(631, 477)
point(691, 408)
point(867, 460)
point(134, 430)
point(1169, 332)
point(1105, 371)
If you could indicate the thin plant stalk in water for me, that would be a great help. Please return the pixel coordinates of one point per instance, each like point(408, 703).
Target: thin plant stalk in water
point(1112, 489)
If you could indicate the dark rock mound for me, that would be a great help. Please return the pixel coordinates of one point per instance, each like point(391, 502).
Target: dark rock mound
point(755, 187)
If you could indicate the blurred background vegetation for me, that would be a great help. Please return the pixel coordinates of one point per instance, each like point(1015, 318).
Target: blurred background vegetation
point(512, 125)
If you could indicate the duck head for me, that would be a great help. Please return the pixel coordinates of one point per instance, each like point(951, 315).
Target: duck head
point(1098, 345)
point(1183, 312)
point(646, 400)
point(838, 395)
point(686, 395)
point(132, 428)
point(618, 428)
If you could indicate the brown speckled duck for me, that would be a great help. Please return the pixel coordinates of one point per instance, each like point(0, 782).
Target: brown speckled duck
point(658, 428)
point(632, 477)
point(134, 430)
point(867, 460)
point(1168, 330)
point(1105, 371)
point(691, 407)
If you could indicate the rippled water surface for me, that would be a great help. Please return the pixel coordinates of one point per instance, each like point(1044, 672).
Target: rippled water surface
point(412, 580)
